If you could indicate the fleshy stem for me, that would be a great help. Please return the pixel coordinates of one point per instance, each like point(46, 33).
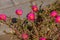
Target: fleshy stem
point(34, 27)
point(16, 31)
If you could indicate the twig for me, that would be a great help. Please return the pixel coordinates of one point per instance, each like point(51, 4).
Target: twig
point(34, 27)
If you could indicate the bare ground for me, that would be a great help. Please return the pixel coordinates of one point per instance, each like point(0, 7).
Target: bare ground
point(8, 37)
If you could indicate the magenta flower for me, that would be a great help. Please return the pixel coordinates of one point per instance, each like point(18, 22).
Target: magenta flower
point(3, 17)
point(42, 38)
point(53, 14)
point(34, 8)
point(31, 16)
point(19, 11)
point(57, 19)
point(25, 36)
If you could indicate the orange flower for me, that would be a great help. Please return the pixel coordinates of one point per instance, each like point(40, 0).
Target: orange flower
point(19, 12)
point(53, 14)
point(31, 16)
point(3, 17)
point(25, 36)
point(57, 19)
point(34, 8)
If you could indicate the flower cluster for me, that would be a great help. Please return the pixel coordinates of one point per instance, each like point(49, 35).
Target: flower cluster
point(40, 24)
point(55, 14)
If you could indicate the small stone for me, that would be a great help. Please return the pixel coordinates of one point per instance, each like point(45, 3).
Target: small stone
point(14, 20)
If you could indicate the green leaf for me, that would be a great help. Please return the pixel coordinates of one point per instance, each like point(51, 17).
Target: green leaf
point(25, 27)
point(41, 11)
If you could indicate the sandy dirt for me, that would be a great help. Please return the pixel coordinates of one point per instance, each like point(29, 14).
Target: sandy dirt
point(8, 37)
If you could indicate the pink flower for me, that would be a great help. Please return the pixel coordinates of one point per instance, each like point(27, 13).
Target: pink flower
point(53, 14)
point(3, 17)
point(34, 8)
point(31, 16)
point(19, 11)
point(42, 38)
point(25, 36)
point(57, 19)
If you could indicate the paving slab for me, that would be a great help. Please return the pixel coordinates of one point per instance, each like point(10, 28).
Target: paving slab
point(5, 3)
point(20, 1)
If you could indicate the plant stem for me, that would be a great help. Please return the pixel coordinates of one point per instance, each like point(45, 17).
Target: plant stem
point(34, 27)
point(16, 31)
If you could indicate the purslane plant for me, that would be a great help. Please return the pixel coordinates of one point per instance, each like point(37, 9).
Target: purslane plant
point(40, 23)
